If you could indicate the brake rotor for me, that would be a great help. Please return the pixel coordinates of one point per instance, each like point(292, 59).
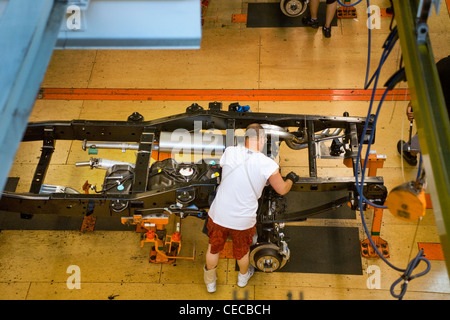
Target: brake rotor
point(293, 8)
point(266, 258)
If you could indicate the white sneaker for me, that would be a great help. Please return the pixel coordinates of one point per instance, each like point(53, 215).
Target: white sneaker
point(243, 278)
point(211, 287)
point(210, 278)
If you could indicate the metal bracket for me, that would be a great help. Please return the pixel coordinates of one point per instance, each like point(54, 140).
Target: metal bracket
point(143, 160)
point(423, 13)
point(185, 195)
point(44, 160)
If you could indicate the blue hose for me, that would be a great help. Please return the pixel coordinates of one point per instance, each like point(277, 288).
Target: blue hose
point(407, 277)
point(407, 273)
point(389, 44)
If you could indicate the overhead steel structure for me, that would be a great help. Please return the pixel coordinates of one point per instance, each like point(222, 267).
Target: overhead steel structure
point(31, 30)
point(429, 106)
point(28, 33)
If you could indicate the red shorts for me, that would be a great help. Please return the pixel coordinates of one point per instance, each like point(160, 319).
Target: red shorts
point(218, 235)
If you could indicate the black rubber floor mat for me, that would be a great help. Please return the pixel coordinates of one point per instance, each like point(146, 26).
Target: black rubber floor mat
point(330, 250)
point(269, 15)
point(297, 201)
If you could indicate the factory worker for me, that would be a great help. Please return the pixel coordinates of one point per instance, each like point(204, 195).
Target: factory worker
point(245, 172)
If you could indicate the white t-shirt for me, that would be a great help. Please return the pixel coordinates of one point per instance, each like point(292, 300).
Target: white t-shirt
point(236, 203)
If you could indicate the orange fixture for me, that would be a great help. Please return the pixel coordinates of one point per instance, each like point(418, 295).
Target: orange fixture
point(374, 162)
point(367, 249)
point(165, 248)
point(346, 12)
point(407, 201)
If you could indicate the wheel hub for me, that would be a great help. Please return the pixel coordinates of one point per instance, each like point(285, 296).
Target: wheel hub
point(293, 8)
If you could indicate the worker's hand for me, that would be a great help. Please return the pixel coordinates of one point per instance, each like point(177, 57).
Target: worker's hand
point(410, 113)
point(293, 177)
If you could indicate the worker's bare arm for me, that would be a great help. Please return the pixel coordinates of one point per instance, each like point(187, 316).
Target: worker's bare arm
point(280, 185)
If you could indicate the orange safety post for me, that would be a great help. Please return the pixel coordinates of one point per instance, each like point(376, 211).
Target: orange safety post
point(367, 249)
point(374, 162)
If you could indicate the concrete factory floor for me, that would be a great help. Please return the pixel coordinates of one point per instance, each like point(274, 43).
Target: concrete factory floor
point(34, 263)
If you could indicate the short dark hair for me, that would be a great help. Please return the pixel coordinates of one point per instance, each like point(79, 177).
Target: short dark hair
point(254, 130)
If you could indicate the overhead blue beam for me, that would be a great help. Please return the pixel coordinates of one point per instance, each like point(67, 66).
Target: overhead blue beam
point(31, 30)
point(126, 24)
point(28, 33)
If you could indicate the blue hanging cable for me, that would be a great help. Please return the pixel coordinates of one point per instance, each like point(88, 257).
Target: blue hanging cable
point(406, 277)
point(369, 41)
point(369, 144)
point(389, 44)
point(407, 273)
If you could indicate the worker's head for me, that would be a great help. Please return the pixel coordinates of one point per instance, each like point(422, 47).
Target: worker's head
point(255, 137)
